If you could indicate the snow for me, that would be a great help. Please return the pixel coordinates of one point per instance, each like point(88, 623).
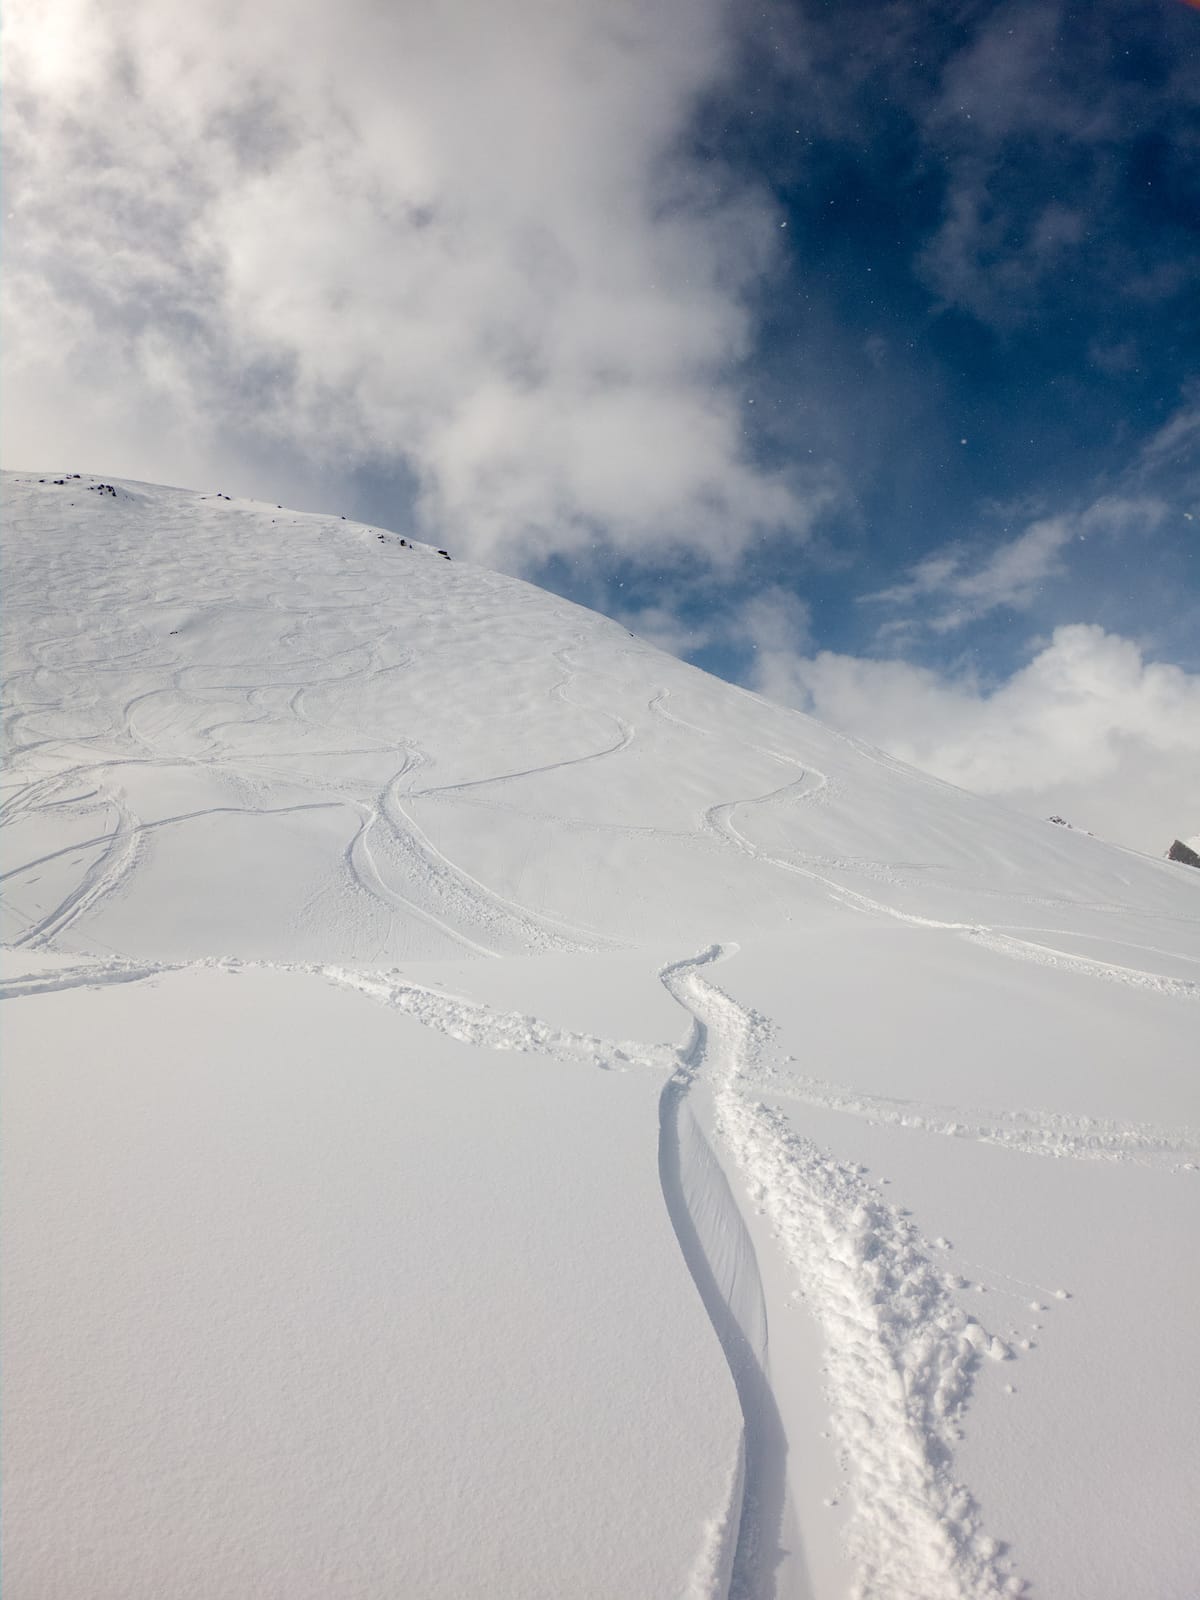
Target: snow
point(294, 1315)
point(489, 1108)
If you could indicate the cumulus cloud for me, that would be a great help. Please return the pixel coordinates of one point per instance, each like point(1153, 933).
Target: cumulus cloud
point(1089, 729)
point(465, 235)
point(955, 586)
point(775, 620)
point(665, 628)
point(772, 619)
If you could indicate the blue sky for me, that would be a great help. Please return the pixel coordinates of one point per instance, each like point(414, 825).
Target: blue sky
point(849, 350)
point(987, 311)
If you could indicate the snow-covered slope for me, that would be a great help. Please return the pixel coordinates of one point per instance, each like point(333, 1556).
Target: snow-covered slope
point(490, 1109)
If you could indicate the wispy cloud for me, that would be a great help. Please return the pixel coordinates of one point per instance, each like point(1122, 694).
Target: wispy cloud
point(465, 236)
point(1177, 442)
point(772, 620)
point(667, 629)
point(955, 586)
point(1088, 728)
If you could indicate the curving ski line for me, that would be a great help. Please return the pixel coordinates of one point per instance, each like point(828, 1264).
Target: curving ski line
point(1097, 938)
point(579, 824)
point(37, 795)
point(720, 820)
point(900, 1354)
point(210, 730)
point(715, 817)
point(196, 698)
point(32, 796)
point(127, 711)
point(1036, 1133)
point(456, 901)
point(463, 898)
point(102, 878)
point(658, 704)
point(1046, 956)
point(719, 1253)
point(364, 647)
point(67, 800)
point(159, 822)
point(741, 1542)
point(623, 741)
point(365, 872)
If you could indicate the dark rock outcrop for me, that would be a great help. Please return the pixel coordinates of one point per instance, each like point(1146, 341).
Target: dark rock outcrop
point(1183, 852)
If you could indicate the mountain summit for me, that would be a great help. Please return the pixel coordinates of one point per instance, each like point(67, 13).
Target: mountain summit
point(493, 1109)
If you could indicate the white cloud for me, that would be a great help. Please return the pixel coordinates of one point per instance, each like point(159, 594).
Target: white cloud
point(661, 626)
point(775, 621)
point(952, 589)
point(1089, 729)
point(1178, 440)
point(464, 234)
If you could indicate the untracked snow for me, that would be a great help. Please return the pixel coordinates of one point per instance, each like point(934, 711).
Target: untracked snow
point(489, 1109)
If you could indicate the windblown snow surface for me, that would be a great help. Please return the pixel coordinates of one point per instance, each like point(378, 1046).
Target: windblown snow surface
point(491, 1110)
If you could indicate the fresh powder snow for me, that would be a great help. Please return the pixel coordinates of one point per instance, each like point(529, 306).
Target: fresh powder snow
point(490, 1109)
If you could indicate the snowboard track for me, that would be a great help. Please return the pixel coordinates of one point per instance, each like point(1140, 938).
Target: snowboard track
point(901, 1356)
point(718, 820)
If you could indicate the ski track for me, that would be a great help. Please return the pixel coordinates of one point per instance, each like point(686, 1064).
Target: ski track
point(810, 785)
point(465, 900)
point(558, 691)
point(105, 875)
point(1035, 1133)
point(719, 820)
point(719, 1254)
point(143, 828)
point(441, 894)
point(1110, 971)
point(362, 867)
point(900, 1354)
point(623, 741)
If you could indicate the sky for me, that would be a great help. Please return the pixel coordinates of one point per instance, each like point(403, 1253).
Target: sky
point(846, 349)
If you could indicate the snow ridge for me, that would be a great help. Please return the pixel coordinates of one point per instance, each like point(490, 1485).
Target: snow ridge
point(717, 1251)
point(719, 1254)
point(900, 1353)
